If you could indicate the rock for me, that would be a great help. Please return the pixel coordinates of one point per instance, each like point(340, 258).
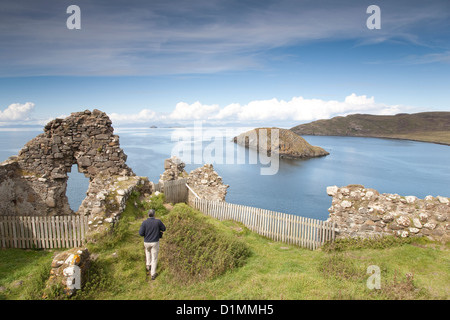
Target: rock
point(366, 227)
point(429, 225)
point(67, 266)
point(50, 202)
point(280, 141)
point(410, 199)
point(443, 200)
point(417, 223)
point(345, 191)
point(84, 162)
point(331, 191)
point(423, 217)
point(363, 210)
point(346, 204)
point(370, 195)
point(403, 234)
point(403, 221)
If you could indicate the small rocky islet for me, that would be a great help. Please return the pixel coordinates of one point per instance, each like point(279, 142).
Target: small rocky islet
point(290, 145)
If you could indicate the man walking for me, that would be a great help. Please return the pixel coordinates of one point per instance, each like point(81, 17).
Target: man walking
point(151, 229)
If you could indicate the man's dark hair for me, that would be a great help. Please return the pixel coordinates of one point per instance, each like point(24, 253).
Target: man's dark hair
point(151, 213)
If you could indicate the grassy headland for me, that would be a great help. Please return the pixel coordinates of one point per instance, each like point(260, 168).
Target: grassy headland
point(426, 126)
point(224, 260)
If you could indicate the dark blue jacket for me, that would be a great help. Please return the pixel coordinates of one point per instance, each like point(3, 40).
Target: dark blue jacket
point(150, 229)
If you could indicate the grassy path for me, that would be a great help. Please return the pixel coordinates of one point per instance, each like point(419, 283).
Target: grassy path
point(273, 271)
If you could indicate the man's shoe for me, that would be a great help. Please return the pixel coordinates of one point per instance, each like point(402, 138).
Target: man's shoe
point(154, 276)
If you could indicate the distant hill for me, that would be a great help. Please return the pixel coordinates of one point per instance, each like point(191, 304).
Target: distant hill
point(290, 145)
point(425, 126)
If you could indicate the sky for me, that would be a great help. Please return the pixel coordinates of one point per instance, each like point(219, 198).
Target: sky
point(282, 63)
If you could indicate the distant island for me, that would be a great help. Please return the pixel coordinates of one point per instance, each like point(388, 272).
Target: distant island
point(425, 126)
point(291, 146)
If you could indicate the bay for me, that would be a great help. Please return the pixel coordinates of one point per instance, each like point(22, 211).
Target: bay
point(298, 187)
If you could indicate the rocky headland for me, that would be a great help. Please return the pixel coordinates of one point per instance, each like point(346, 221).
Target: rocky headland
point(282, 141)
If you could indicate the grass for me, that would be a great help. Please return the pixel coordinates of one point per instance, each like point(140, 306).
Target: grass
point(23, 273)
point(193, 249)
point(441, 137)
point(266, 270)
point(426, 127)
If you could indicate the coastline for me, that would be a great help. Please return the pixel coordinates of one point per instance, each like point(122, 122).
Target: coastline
point(381, 137)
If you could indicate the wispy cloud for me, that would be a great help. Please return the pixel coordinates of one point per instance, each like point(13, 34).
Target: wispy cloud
point(175, 37)
point(443, 57)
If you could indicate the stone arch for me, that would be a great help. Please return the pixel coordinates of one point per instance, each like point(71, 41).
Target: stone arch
point(36, 180)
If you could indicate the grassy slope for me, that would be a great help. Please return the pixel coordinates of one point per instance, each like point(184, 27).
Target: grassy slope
point(273, 271)
point(427, 126)
point(23, 273)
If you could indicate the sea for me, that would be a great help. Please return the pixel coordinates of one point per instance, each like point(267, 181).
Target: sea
point(294, 186)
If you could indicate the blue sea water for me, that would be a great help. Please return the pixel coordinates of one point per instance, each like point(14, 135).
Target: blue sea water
point(298, 187)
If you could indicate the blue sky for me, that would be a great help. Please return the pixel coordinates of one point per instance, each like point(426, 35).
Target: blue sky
point(265, 62)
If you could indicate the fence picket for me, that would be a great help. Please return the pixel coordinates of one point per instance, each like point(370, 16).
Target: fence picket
point(42, 232)
point(302, 231)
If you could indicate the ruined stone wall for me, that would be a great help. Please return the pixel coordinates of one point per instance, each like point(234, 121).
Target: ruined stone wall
point(207, 184)
point(364, 212)
point(173, 170)
point(204, 181)
point(24, 193)
point(35, 182)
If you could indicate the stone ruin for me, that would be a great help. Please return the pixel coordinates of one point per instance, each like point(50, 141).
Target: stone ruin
point(206, 184)
point(364, 212)
point(203, 181)
point(35, 181)
point(64, 270)
point(173, 170)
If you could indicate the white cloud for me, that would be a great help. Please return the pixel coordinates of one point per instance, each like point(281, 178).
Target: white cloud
point(267, 111)
point(298, 109)
point(17, 112)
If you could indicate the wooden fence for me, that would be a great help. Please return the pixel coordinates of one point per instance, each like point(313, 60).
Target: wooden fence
point(174, 190)
point(42, 232)
point(305, 232)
